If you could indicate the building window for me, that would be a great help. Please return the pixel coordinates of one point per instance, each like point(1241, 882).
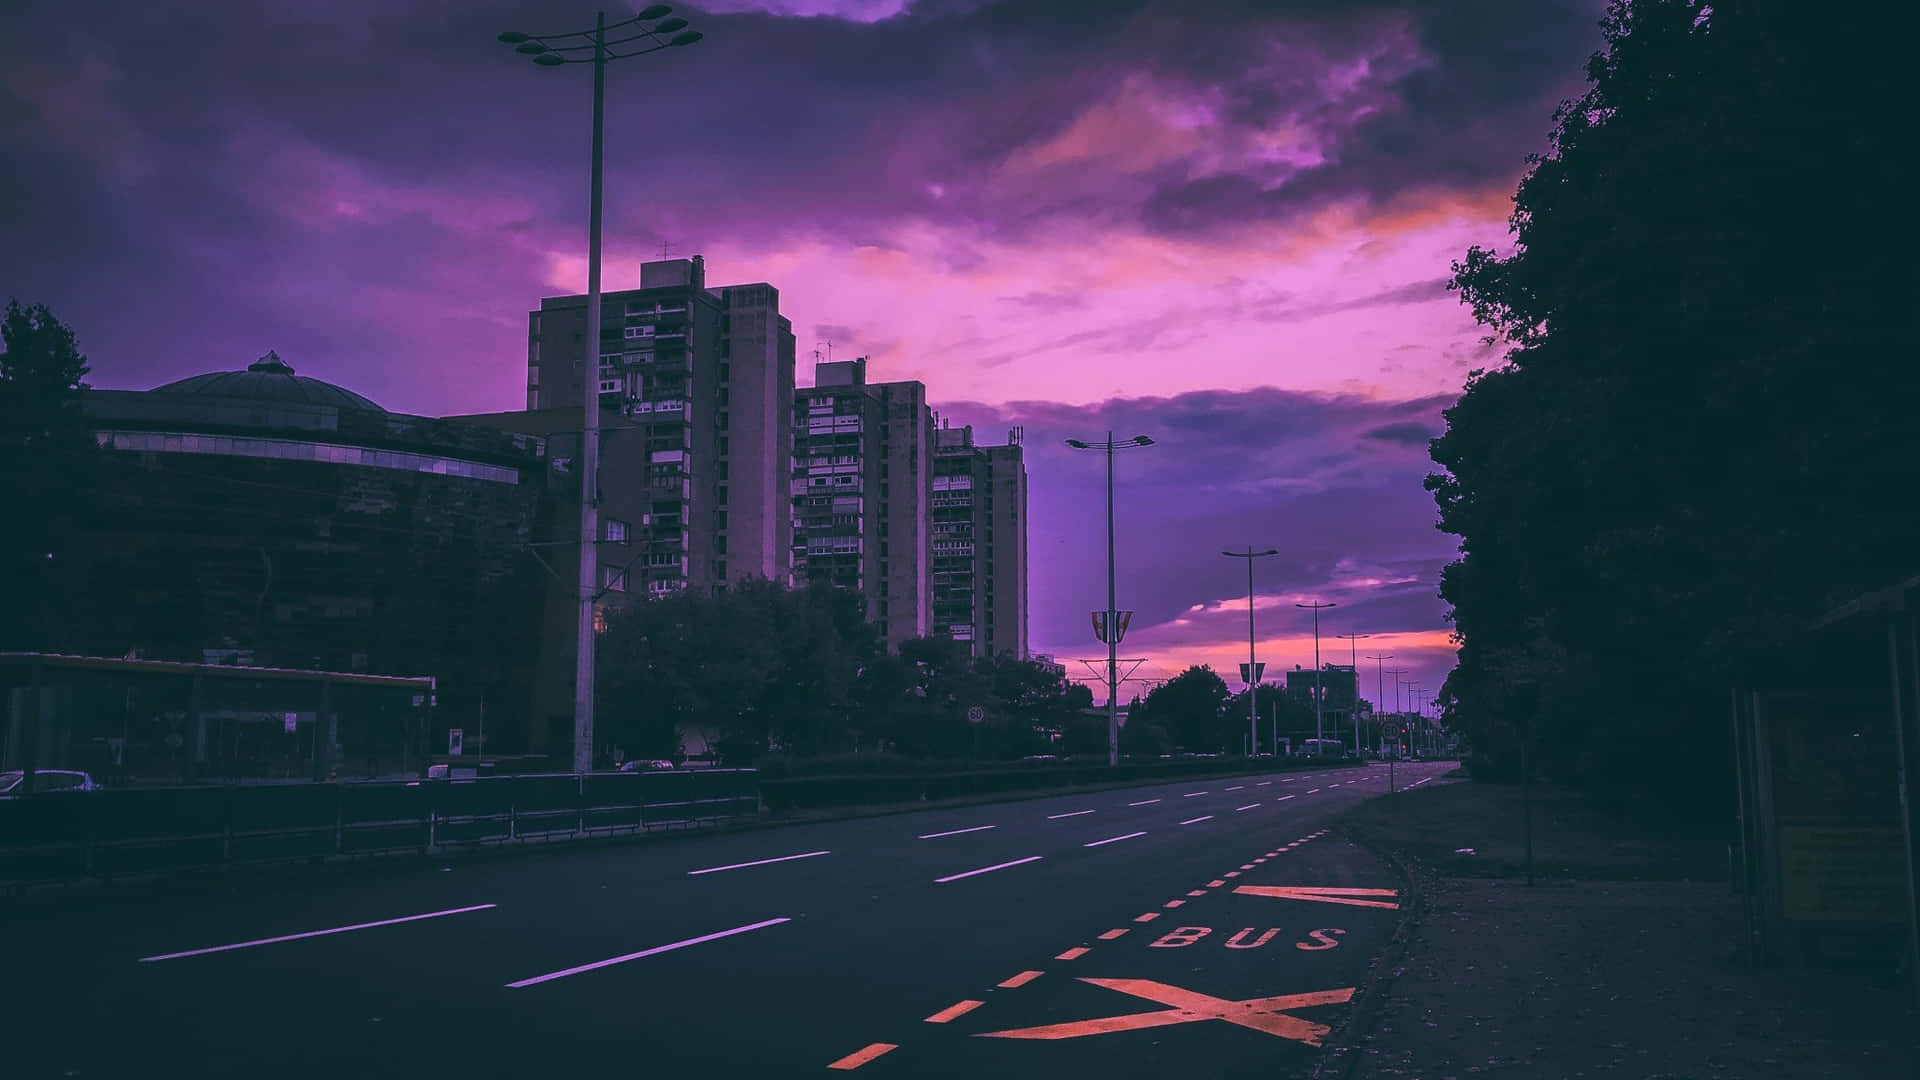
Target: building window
point(720, 543)
point(613, 579)
point(720, 519)
point(723, 395)
point(616, 530)
point(723, 446)
point(726, 372)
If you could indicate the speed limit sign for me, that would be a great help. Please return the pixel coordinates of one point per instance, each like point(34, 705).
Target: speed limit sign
point(976, 714)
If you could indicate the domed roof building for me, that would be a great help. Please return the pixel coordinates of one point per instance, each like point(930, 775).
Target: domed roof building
point(270, 379)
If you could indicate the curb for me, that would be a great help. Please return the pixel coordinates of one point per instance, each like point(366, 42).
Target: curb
point(1343, 1054)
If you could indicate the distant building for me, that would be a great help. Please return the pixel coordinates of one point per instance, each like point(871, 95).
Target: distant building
point(862, 479)
point(979, 524)
point(706, 379)
point(268, 518)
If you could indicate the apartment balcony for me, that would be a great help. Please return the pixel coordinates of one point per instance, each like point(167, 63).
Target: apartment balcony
point(952, 549)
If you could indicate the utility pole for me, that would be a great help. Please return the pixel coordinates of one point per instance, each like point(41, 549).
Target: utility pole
point(1253, 665)
point(1318, 695)
point(1110, 622)
point(1353, 661)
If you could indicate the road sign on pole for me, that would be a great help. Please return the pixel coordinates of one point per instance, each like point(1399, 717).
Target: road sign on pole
point(1258, 670)
point(976, 714)
point(456, 741)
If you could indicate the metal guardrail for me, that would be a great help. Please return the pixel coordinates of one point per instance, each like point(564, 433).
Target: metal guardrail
point(62, 836)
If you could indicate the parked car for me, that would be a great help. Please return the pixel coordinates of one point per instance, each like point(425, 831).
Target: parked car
point(646, 766)
point(12, 781)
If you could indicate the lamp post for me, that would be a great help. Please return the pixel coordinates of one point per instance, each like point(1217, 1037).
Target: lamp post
point(1316, 607)
point(649, 31)
point(1396, 673)
point(1353, 661)
point(1253, 667)
point(1110, 625)
point(1380, 696)
point(1413, 739)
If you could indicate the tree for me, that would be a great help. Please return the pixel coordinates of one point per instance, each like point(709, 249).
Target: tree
point(1188, 707)
point(1687, 452)
point(48, 457)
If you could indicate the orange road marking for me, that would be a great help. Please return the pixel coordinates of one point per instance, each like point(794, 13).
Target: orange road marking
point(1231, 873)
point(1073, 954)
point(1021, 979)
point(1261, 1014)
point(1148, 917)
point(958, 1008)
point(1215, 883)
point(1174, 904)
point(1246, 866)
point(1259, 860)
point(1323, 895)
point(862, 1056)
point(1196, 892)
point(1111, 934)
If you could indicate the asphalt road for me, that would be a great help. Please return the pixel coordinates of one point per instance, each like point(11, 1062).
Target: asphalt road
point(1139, 932)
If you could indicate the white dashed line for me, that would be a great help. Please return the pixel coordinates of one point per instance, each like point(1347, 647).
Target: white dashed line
point(1193, 794)
point(1249, 806)
point(1115, 839)
point(955, 832)
point(986, 869)
point(313, 933)
point(1284, 798)
point(756, 862)
point(1076, 813)
point(1198, 820)
point(655, 951)
point(1144, 802)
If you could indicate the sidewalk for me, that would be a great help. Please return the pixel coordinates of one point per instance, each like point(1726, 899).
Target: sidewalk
point(1614, 965)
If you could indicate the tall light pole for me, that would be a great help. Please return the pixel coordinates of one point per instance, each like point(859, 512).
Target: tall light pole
point(593, 47)
point(1413, 740)
point(1253, 667)
point(1316, 607)
point(1396, 673)
point(1353, 661)
point(1110, 625)
point(1380, 694)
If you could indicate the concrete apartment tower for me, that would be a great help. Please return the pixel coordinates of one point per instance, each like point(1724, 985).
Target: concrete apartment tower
point(979, 515)
point(862, 482)
point(698, 385)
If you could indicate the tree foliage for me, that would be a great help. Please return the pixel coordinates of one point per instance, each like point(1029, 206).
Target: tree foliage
point(47, 459)
point(1694, 443)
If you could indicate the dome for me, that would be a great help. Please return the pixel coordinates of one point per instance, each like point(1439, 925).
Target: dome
point(270, 379)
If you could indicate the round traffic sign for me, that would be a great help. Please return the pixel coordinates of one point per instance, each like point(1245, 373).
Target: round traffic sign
point(975, 714)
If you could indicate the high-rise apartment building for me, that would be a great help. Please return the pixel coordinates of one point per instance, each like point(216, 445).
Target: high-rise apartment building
point(704, 379)
point(979, 524)
point(862, 481)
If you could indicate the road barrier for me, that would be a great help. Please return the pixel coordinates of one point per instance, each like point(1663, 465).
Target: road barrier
point(64, 836)
point(873, 789)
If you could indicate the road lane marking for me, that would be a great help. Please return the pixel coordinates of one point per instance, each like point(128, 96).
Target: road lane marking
point(1284, 798)
point(756, 862)
point(1197, 892)
point(1315, 791)
point(1246, 866)
point(1173, 903)
point(1231, 874)
point(955, 832)
point(1198, 820)
point(1076, 813)
point(642, 954)
point(1417, 783)
point(1261, 1014)
point(1112, 934)
point(1289, 779)
point(1144, 802)
point(1262, 859)
point(1115, 839)
point(1263, 783)
point(862, 1056)
point(1236, 787)
point(1148, 917)
point(1216, 883)
point(986, 869)
point(1351, 897)
point(313, 933)
point(1193, 794)
point(1249, 806)
point(1021, 979)
point(958, 1008)
point(1074, 953)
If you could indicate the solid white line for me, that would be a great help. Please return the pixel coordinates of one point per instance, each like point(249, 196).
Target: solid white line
point(1144, 802)
point(1417, 783)
point(1076, 813)
point(1249, 806)
point(1113, 839)
point(655, 951)
point(756, 862)
point(985, 869)
point(313, 933)
point(1193, 794)
point(955, 832)
point(1284, 798)
point(1198, 820)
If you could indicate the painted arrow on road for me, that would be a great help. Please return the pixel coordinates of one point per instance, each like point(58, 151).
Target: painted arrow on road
point(1352, 897)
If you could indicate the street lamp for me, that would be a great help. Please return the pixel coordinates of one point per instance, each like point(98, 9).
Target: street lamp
point(649, 31)
point(1110, 624)
point(1380, 696)
point(1353, 661)
point(1318, 733)
point(1253, 668)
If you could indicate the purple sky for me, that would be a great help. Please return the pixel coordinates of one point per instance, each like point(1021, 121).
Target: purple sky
point(1224, 224)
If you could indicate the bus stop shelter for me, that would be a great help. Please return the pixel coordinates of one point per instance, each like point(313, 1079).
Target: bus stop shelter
point(132, 722)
